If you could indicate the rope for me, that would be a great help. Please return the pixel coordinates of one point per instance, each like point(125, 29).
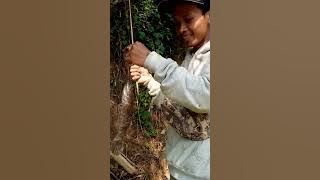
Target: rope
point(137, 85)
point(132, 41)
point(130, 16)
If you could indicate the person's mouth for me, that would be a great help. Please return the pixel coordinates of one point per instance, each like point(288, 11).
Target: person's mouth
point(186, 36)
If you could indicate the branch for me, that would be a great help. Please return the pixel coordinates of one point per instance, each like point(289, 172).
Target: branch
point(120, 159)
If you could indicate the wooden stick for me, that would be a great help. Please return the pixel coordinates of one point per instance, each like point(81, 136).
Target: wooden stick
point(120, 159)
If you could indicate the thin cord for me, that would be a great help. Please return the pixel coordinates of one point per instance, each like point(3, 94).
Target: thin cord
point(130, 16)
point(137, 85)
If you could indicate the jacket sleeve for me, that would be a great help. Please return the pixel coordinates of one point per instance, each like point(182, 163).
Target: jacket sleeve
point(190, 91)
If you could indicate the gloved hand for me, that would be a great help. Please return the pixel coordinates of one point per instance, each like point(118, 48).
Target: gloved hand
point(142, 75)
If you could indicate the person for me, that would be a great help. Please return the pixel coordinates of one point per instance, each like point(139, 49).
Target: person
point(182, 92)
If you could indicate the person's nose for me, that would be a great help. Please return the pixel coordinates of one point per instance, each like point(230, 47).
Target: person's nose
point(182, 28)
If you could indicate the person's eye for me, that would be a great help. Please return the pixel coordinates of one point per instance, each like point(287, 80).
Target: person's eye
point(188, 20)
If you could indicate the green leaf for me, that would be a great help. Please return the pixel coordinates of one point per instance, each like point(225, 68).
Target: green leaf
point(141, 35)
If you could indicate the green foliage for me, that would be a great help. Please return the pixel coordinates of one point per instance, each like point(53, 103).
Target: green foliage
point(143, 114)
point(155, 31)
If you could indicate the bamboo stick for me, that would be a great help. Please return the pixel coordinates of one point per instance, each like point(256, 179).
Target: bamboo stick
point(120, 159)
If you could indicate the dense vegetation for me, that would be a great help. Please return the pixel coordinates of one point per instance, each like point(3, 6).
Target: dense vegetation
point(135, 132)
point(149, 27)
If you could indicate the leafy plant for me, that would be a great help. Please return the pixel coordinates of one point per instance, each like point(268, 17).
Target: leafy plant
point(152, 29)
point(143, 114)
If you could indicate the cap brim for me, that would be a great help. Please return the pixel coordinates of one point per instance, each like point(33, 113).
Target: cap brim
point(168, 5)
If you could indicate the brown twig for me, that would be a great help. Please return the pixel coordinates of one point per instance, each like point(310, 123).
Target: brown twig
point(123, 161)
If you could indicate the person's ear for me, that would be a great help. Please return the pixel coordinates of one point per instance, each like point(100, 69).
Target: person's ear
point(207, 15)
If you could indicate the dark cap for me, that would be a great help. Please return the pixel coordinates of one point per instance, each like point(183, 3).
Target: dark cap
point(167, 5)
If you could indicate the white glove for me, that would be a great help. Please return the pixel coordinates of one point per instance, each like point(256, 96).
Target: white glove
point(142, 75)
point(154, 87)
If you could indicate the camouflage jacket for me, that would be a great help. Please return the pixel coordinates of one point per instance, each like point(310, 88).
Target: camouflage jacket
point(190, 125)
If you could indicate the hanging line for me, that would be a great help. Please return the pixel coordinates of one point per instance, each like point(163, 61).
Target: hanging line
point(130, 17)
point(132, 41)
point(137, 85)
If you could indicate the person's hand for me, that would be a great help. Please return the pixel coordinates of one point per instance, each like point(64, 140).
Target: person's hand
point(136, 53)
point(143, 76)
point(140, 74)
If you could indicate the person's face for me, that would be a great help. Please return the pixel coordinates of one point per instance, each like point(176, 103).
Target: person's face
point(191, 24)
